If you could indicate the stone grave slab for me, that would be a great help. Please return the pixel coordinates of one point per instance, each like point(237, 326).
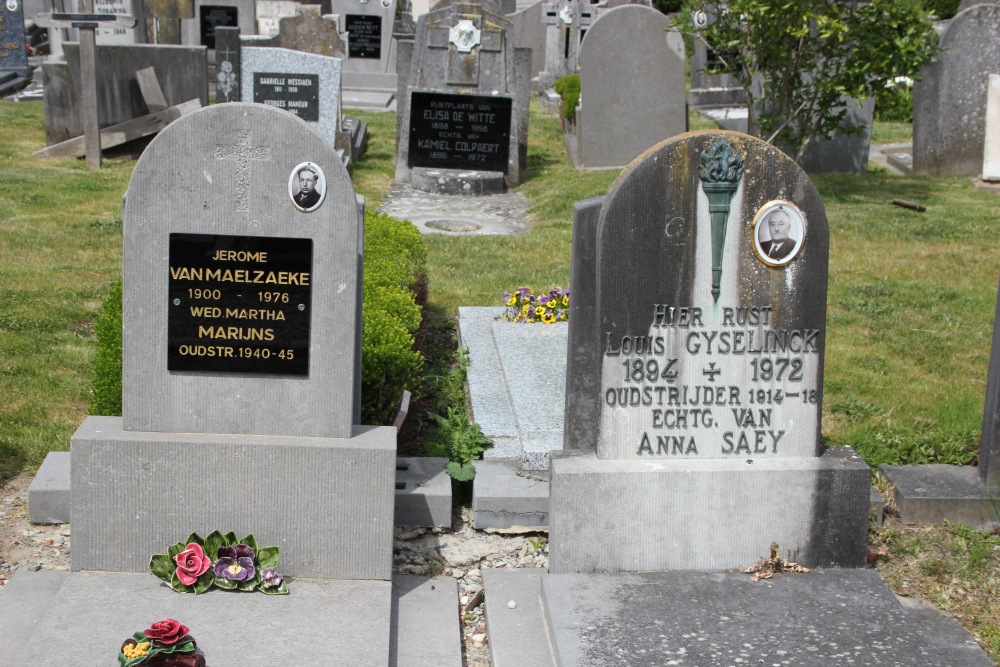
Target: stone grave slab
point(352, 617)
point(529, 33)
point(228, 65)
point(709, 321)
point(423, 492)
point(505, 496)
point(180, 70)
point(934, 493)
point(425, 627)
point(949, 97)
point(631, 86)
point(438, 213)
point(516, 400)
point(823, 618)
point(268, 13)
point(49, 492)
point(305, 84)
point(306, 29)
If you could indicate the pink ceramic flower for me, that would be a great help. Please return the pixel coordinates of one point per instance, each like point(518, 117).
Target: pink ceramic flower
point(191, 563)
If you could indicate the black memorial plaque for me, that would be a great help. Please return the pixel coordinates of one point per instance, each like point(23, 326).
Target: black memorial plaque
point(298, 93)
point(364, 36)
point(459, 131)
point(239, 304)
point(217, 16)
point(13, 56)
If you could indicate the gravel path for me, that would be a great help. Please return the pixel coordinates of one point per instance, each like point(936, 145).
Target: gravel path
point(460, 552)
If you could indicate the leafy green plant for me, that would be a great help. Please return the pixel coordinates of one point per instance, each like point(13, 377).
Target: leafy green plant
point(568, 88)
point(797, 60)
point(106, 390)
point(454, 436)
point(943, 9)
point(894, 101)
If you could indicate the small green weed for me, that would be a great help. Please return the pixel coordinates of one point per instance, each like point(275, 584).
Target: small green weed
point(455, 437)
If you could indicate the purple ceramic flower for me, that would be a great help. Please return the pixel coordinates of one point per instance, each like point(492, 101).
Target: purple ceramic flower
point(235, 563)
point(270, 578)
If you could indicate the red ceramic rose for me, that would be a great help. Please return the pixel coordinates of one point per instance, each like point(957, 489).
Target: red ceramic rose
point(166, 632)
point(191, 563)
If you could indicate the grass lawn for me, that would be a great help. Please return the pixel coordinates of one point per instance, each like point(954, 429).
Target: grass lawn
point(910, 311)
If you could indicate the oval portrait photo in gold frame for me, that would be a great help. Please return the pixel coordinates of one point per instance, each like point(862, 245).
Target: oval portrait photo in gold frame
point(307, 186)
point(779, 232)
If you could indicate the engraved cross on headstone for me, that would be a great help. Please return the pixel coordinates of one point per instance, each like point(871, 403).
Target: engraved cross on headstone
point(243, 153)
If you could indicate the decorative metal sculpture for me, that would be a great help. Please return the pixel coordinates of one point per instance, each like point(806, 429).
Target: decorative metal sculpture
point(720, 172)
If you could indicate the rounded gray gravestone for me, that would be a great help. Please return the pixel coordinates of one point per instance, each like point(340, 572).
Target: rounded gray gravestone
point(631, 86)
point(949, 99)
point(222, 178)
point(710, 348)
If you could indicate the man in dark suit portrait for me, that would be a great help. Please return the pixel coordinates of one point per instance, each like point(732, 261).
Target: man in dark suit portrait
point(308, 196)
point(780, 246)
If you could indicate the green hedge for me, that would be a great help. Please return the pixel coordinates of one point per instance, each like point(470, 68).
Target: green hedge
point(568, 88)
point(394, 293)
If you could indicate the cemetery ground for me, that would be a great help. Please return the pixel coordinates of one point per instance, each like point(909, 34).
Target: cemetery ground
point(910, 315)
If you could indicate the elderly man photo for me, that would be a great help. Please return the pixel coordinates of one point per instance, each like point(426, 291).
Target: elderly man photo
point(781, 245)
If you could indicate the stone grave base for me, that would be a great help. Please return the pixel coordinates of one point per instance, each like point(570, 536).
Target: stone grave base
point(706, 514)
point(934, 493)
point(819, 619)
point(505, 496)
point(326, 502)
point(80, 619)
point(457, 181)
point(516, 399)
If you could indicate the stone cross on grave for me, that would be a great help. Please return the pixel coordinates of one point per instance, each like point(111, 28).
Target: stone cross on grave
point(87, 23)
point(243, 153)
point(465, 37)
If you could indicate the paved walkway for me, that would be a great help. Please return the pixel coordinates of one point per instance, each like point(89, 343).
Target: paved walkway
point(458, 215)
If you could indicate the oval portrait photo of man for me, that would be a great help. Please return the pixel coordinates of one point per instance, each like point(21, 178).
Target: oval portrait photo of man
point(307, 186)
point(779, 230)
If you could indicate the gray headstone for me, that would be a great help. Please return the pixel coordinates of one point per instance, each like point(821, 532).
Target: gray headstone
point(529, 33)
point(116, 35)
point(210, 15)
point(582, 356)
point(462, 95)
point(180, 70)
point(736, 338)
point(370, 47)
point(949, 98)
point(966, 4)
point(989, 447)
point(241, 347)
point(228, 65)
point(706, 372)
point(305, 84)
point(238, 194)
point(269, 11)
point(846, 154)
point(306, 30)
point(13, 57)
point(631, 86)
point(720, 89)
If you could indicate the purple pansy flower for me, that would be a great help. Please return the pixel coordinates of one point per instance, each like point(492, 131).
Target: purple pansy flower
point(235, 563)
point(270, 578)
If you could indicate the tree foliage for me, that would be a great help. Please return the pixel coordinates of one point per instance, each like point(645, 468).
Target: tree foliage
point(798, 60)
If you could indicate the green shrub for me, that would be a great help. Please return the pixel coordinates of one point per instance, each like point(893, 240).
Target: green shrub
point(943, 9)
point(568, 88)
point(395, 289)
point(107, 386)
point(894, 103)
